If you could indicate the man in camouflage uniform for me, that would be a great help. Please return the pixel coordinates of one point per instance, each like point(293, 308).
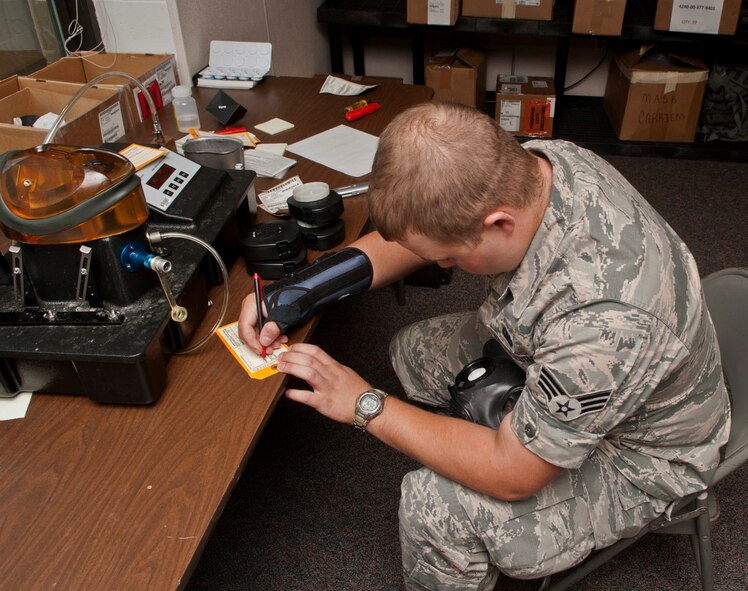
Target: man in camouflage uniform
point(590, 292)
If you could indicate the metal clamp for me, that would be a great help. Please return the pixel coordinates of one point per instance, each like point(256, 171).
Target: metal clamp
point(16, 263)
point(84, 271)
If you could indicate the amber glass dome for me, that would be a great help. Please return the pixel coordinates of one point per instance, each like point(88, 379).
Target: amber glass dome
point(55, 194)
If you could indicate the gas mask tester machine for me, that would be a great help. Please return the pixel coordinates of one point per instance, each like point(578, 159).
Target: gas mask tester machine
point(99, 287)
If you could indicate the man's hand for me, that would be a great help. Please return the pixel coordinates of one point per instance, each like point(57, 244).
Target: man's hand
point(270, 336)
point(335, 387)
point(489, 461)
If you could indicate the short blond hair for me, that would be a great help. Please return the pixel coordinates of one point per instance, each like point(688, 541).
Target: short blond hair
point(441, 168)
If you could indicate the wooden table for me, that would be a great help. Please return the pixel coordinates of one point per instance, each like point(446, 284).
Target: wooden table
point(125, 497)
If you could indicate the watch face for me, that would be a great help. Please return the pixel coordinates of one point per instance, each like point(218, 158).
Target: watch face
point(369, 403)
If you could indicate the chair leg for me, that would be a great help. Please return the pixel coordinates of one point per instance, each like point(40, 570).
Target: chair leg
point(703, 529)
point(696, 547)
point(400, 291)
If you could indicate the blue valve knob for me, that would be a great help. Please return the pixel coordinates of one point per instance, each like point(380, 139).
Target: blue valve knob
point(135, 256)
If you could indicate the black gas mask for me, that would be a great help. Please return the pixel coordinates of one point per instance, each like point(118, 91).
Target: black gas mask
point(487, 389)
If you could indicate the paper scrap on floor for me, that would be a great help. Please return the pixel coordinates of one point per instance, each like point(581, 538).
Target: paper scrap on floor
point(275, 199)
point(266, 164)
point(341, 148)
point(255, 365)
point(16, 407)
point(333, 85)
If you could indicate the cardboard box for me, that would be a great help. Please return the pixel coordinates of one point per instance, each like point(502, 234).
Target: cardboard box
point(433, 12)
point(598, 17)
point(537, 10)
point(654, 96)
point(526, 105)
point(94, 119)
point(715, 17)
point(458, 76)
point(157, 73)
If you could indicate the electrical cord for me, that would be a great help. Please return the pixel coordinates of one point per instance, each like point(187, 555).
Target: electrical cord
point(156, 237)
point(588, 74)
point(75, 29)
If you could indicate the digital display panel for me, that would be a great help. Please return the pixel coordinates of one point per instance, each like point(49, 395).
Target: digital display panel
point(162, 175)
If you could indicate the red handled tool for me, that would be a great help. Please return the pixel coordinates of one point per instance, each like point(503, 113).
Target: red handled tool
point(362, 111)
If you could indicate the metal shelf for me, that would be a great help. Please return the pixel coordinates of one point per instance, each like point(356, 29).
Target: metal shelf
point(579, 119)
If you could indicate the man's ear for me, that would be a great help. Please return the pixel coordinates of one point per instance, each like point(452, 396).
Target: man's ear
point(500, 219)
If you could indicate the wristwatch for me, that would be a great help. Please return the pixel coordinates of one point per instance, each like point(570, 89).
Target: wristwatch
point(369, 405)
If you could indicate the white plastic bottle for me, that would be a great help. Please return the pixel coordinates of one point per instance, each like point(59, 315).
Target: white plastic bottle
point(185, 108)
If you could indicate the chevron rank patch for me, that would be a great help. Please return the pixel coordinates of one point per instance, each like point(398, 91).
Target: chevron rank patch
point(567, 406)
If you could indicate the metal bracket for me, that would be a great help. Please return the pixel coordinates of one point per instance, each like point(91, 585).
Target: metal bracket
point(687, 516)
point(16, 263)
point(84, 270)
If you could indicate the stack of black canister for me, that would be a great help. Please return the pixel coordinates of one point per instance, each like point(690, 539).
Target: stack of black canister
point(317, 211)
point(272, 249)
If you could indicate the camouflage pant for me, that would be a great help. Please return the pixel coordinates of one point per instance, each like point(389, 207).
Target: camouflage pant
point(454, 539)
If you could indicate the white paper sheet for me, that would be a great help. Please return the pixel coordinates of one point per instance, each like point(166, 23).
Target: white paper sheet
point(274, 126)
point(341, 148)
point(267, 164)
point(333, 85)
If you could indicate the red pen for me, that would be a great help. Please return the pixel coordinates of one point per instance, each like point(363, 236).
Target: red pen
point(362, 111)
point(230, 130)
point(258, 302)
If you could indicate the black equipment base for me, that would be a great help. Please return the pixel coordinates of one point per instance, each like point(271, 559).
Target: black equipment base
point(125, 362)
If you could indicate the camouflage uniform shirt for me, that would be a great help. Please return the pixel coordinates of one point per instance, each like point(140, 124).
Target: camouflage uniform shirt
point(606, 315)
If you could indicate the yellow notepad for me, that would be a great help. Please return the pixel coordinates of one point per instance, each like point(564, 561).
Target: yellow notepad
point(255, 365)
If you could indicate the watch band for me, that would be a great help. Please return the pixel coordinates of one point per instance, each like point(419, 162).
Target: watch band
point(362, 416)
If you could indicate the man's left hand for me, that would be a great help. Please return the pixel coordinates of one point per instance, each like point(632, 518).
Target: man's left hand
point(335, 387)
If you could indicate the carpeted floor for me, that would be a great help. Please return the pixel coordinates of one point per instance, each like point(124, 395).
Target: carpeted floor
point(316, 508)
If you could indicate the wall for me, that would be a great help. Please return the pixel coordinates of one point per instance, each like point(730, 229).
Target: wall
point(300, 48)
point(186, 28)
point(531, 56)
point(139, 26)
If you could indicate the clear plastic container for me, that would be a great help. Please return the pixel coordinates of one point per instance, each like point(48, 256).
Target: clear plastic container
point(185, 109)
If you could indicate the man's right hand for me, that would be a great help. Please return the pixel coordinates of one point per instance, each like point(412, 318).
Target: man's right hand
point(270, 337)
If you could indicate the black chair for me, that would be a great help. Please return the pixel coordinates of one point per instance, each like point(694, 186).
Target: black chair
point(726, 295)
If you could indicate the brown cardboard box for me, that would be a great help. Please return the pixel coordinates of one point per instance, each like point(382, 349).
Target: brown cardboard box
point(598, 17)
point(654, 96)
point(525, 105)
point(705, 16)
point(17, 138)
point(156, 72)
point(458, 76)
point(94, 119)
point(433, 12)
point(538, 10)
point(112, 129)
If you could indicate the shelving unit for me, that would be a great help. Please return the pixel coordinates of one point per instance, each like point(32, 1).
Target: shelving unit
point(580, 119)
